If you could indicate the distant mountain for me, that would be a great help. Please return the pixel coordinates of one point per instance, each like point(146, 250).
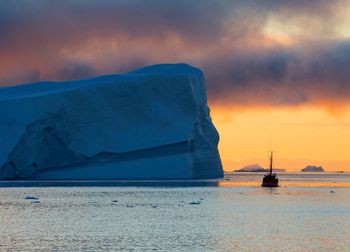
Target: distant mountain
point(251, 168)
point(312, 168)
point(278, 170)
point(257, 168)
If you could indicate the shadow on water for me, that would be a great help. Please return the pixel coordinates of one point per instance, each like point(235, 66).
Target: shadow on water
point(110, 183)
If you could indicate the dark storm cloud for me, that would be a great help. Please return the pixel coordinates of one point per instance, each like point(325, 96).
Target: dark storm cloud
point(287, 76)
point(76, 71)
point(78, 20)
point(226, 38)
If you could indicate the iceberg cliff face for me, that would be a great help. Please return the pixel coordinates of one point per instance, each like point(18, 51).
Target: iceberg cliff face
point(152, 123)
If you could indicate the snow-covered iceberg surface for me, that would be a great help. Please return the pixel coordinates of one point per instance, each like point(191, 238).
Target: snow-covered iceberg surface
point(152, 123)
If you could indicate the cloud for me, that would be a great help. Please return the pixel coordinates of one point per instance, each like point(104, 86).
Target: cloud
point(252, 52)
point(284, 76)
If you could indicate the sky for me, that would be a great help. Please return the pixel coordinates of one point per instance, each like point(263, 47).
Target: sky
point(276, 71)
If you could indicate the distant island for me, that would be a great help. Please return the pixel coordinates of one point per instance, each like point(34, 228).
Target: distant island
point(251, 168)
point(256, 168)
point(312, 168)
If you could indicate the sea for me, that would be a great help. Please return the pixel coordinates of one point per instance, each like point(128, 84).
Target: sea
point(308, 212)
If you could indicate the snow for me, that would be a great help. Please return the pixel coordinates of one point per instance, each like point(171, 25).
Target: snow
point(152, 123)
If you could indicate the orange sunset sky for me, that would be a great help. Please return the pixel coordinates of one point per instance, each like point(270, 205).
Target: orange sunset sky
point(277, 72)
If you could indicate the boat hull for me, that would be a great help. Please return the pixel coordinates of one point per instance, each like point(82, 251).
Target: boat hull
point(269, 184)
point(270, 181)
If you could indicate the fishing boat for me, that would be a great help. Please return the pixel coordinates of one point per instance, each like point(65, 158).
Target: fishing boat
point(270, 179)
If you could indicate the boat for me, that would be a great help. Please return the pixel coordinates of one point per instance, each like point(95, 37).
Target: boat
point(270, 179)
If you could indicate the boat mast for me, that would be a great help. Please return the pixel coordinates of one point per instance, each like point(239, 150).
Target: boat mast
point(271, 159)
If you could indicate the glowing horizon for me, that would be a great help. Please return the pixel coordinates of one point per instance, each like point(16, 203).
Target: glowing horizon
point(299, 136)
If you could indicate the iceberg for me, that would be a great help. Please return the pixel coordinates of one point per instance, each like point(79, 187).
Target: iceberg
point(151, 123)
point(312, 168)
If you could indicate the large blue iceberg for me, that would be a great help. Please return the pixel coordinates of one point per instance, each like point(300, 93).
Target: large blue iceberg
point(152, 123)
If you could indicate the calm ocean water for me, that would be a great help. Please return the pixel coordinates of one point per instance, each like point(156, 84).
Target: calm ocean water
point(234, 214)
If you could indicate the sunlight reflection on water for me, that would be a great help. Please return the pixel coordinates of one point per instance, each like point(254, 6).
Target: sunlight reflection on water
point(329, 180)
point(175, 218)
